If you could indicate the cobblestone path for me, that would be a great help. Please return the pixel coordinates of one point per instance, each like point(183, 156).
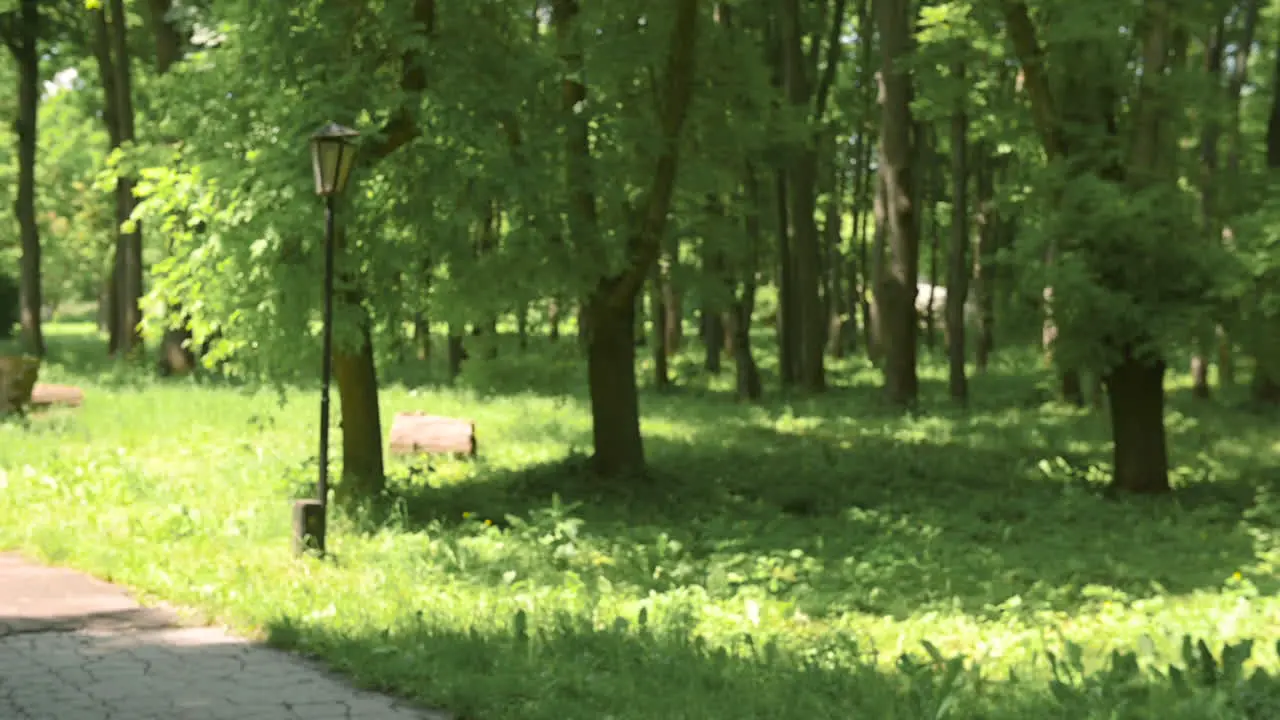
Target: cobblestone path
point(75, 648)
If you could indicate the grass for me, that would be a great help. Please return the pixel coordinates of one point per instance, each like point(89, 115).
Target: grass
point(808, 558)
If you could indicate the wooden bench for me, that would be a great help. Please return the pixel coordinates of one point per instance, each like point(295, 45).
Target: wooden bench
point(44, 395)
point(422, 434)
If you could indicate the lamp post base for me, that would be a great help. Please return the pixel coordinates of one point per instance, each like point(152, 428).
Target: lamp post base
point(308, 526)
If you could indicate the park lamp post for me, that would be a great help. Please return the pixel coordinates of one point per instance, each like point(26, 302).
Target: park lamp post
point(333, 154)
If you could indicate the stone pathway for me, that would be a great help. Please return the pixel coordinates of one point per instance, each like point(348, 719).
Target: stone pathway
point(76, 648)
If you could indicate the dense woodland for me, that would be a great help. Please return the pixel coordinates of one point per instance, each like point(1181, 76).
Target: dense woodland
point(1095, 176)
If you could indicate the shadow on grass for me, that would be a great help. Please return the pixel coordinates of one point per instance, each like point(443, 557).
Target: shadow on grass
point(565, 668)
point(872, 523)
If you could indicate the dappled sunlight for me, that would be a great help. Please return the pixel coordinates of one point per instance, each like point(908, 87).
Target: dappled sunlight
point(804, 524)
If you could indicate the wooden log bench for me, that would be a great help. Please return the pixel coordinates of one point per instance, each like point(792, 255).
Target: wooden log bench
point(421, 434)
point(45, 395)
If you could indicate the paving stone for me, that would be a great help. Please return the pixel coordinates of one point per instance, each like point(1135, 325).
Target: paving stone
point(76, 648)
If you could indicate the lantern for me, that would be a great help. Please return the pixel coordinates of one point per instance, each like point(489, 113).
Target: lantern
point(333, 153)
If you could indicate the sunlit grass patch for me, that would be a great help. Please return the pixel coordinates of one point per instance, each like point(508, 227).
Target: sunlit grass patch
point(779, 563)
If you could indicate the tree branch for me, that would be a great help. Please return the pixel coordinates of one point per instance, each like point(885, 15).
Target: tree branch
point(1022, 32)
point(402, 127)
point(677, 95)
point(828, 78)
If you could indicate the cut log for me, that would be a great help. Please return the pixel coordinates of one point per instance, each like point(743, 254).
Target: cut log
point(18, 374)
point(420, 434)
point(43, 395)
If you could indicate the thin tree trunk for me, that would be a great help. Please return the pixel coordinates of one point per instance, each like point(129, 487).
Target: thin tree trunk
point(129, 243)
point(983, 273)
point(926, 160)
point(958, 254)
point(748, 383)
point(897, 289)
point(24, 45)
point(802, 184)
point(661, 370)
point(101, 42)
point(1209, 137)
point(456, 351)
point(422, 335)
point(553, 319)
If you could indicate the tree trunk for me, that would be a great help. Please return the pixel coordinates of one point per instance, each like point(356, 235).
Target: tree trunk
point(983, 275)
point(354, 372)
point(806, 246)
point(107, 76)
point(926, 160)
point(176, 353)
point(658, 310)
point(1135, 390)
point(836, 297)
point(1209, 137)
point(747, 381)
point(673, 306)
point(1265, 389)
point(897, 289)
point(522, 325)
point(958, 253)
point(24, 45)
point(553, 319)
point(788, 319)
point(457, 351)
point(611, 380)
point(422, 335)
point(713, 334)
point(610, 309)
point(865, 199)
point(129, 240)
point(876, 340)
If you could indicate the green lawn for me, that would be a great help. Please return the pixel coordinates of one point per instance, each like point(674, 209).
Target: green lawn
point(781, 562)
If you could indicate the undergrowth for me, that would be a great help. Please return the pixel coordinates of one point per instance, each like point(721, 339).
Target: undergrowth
point(807, 558)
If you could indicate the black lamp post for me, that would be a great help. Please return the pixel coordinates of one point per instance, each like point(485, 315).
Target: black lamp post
point(333, 153)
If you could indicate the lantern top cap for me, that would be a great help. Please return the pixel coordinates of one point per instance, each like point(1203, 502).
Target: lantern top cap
point(334, 131)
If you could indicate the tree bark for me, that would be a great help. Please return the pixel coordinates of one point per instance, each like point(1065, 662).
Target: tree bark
point(1209, 137)
point(456, 351)
point(802, 186)
point(24, 43)
point(927, 222)
point(129, 239)
point(748, 385)
point(897, 289)
point(1135, 390)
point(354, 371)
point(101, 43)
point(958, 253)
point(983, 275)
point(673, 306)
point(658, 311)
point(610, 309)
